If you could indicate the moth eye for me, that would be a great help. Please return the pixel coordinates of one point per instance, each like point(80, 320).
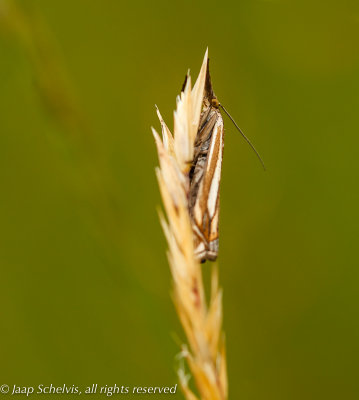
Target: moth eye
point(215, 102)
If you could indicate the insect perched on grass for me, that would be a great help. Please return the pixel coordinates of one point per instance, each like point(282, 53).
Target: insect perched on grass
point(189, 177)
point(205, 173)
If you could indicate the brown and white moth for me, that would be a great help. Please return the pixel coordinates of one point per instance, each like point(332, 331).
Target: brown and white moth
point(205, 174)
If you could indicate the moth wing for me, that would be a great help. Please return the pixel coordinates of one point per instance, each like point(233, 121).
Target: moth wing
point(206, 207)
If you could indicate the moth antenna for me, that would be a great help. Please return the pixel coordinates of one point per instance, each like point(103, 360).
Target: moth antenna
point(244, 136)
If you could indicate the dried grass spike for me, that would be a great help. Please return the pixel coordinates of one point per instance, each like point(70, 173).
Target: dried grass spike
point(202, 323)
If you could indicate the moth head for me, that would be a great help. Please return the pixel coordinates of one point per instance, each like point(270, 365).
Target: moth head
point(215, 102)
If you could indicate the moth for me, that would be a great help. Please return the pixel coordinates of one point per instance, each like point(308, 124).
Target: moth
point(205, 174)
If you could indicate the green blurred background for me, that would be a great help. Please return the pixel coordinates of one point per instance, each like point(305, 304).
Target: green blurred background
point(85, 285)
